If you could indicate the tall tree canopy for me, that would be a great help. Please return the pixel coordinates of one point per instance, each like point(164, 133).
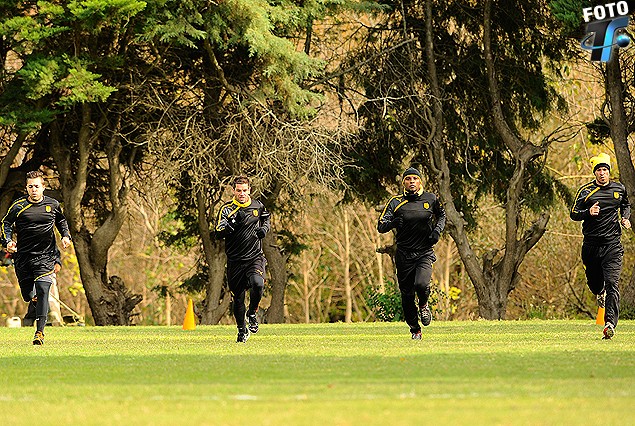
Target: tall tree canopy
point(236, 104)
point(616, 120)
point(94, 84)
point(461, 89)
point(69, 86)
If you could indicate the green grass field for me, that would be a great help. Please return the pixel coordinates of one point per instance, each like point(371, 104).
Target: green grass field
point(481, 372)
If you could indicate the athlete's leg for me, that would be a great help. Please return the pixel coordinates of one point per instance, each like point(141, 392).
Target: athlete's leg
point(29, 318)
point(25, 280)
point(406, 281)
point(239, 308)
point(423, 275)
point(612, 266)
point(593, 268)
point(237, 282)
point(42, 288)
point(256, 289)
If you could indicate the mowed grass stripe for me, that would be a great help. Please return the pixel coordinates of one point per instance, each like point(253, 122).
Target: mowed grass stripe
point(512, 372)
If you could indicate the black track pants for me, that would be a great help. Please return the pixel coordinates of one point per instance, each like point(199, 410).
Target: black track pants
point(414, 271)
point(35, 276)
point(243, 276)
point(603, 265)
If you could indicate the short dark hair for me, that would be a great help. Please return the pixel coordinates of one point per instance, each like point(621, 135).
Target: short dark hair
point(34, 175)
point(241, 179)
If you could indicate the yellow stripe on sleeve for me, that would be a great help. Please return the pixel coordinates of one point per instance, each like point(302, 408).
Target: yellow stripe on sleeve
point(386, 207)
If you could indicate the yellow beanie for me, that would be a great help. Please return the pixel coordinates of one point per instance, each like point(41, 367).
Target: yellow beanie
point(601, 160)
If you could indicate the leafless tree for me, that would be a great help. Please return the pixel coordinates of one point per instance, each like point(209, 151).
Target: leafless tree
point(281, 155)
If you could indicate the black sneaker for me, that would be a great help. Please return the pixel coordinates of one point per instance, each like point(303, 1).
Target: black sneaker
point(609, 331)
point(243, 335)
point(253, 323)
point(601, 298)
point(416, 335)
point(425, 315)
point(38, 339)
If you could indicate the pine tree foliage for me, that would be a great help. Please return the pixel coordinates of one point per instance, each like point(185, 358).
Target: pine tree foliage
point(396, 116)
point(96, 82)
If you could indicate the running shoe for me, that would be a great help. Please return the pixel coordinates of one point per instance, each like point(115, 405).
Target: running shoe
point(416, 335)
point(253, 323)
point(38, 339)
point(243, 335)
point(609, 331)
point(425, 315)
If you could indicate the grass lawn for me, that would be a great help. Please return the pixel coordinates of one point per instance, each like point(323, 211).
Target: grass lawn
point(476, 373)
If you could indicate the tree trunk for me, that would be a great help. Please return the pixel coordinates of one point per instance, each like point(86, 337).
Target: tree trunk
point(12, 181)
point(493, 281)
point(168, 309)
point(619, 128)
point(306, 299)
point(278, 278)
point(618, 123)
point(7, 160)
point(217, 296)
point(348, 316)
point(446, 280)
point(90, 276)
point(11, 188)
point(109, 300)
point(381, 286)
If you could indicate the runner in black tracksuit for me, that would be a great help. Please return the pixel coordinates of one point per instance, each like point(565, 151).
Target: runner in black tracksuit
point(31, 315)
point(419, 219)
point(33, 218)
point(597, 204)
point(243, 223)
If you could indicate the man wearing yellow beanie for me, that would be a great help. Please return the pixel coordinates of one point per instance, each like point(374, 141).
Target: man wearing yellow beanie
point(597, 204)
point(419, 219)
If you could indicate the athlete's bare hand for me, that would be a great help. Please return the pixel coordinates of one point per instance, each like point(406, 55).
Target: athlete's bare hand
point(12, 247)
point(626, 223)
point(66, 242)
point(595, 209)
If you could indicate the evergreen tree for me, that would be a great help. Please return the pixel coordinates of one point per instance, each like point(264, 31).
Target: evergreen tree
point(616, 121)
point(459, 89)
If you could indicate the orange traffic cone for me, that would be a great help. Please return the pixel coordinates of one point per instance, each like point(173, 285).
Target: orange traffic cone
point(189, 323)
point(599, 319)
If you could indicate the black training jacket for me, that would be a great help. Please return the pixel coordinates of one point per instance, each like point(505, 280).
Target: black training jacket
point(422, 213)
point(604, 228)
point(237, 223)
point(33, 223)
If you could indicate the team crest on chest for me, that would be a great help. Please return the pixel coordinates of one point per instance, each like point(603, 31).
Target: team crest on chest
point(616, 195)
point(426, 205)
point(255, 212)
point(48, 209)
